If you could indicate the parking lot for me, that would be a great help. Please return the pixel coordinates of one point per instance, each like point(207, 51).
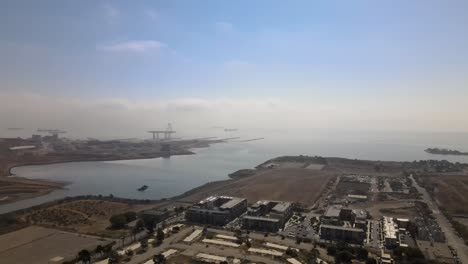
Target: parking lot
point(300, 227)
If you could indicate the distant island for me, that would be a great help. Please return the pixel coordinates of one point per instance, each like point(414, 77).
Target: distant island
point(443, 151)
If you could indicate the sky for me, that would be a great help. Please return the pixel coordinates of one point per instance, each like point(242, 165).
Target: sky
point(91, 67)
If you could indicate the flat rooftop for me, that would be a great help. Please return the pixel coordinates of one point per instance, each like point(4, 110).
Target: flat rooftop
point(333, 211)
point(232, 203)
point(281, 207)
point(260, 218)
point(342, 228)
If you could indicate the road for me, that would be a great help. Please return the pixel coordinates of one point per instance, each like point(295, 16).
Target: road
point(452, 238)
point(173, 242)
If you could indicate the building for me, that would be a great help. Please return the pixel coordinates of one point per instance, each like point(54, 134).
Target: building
point(344, 224)
point(342, 233)
point(385, 258)
point(216, 210)
point(157, 215)
point(360, 219)
point(390, 232)
point(332, 215)
point(337, 215)
point(267, 216)
point(403, 223)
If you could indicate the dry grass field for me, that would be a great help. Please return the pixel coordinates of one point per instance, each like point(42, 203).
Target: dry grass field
point(38, 245)
point(85, 216)
point(451, 193)
point(291, 184)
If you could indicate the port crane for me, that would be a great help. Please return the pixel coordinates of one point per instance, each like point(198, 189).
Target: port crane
point(166, 133)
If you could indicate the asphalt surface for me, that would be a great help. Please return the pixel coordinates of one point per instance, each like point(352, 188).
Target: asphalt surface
point(452, 238)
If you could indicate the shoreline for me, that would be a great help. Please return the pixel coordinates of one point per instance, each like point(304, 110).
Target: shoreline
point(40, 163)
point(45, 187)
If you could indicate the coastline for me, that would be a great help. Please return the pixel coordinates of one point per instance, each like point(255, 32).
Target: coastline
point(42, 187)
point(39, 163)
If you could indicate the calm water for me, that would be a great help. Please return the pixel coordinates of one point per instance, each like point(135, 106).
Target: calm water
point(175, 175)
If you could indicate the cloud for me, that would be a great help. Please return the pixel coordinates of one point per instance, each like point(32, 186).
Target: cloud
point(138, 46)
point(224, 27)
point(83, 117)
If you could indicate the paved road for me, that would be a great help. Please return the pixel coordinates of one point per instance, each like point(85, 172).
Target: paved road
point(167, 243)
point(452, 239)
point(173, 242)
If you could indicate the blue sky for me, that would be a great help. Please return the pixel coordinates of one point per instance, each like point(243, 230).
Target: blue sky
point(328, 54)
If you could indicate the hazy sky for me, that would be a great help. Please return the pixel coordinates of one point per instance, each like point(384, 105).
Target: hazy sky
point(95, 66)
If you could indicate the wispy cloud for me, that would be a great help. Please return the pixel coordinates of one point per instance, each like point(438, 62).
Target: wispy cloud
point(138, 46)
point(224, 27)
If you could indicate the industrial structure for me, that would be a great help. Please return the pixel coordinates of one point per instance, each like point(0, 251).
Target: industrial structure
point(216, 210)
point(268, 216)
point(166, 133)
point(54, 133)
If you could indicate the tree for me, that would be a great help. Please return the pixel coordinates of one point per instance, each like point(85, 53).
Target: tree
point(298, 240)
point(139, 226)
point(343, 257)
point(99, 250)
point(371, 261)
point(312, 256)
point(159, 259)
point(118, 221)
point(362, 253)
point(247, 243)
point(149, 222)
point(130, 216)
point(114, 257)
point(108, 249)
point(160, 235)
point(84, 256)
point(144, 243)
point(331, 250)
point(291, 252)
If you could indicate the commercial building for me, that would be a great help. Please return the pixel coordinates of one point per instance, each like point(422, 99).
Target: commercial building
point(267, 216)
point(344, 224)
point(390, 232)
point(216, 210)
point(157, 215)
point(342, 233)
point(337, 215)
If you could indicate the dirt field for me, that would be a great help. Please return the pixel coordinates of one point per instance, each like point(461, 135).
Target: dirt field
point(38, 245)
point(451, 193)
point(87, 216)
point(403, 209)
point(346, 187)
point(292, 184)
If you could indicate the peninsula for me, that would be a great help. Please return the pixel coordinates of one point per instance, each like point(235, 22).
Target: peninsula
point(444, 151)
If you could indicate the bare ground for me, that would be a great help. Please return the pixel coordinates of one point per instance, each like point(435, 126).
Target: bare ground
point(289, 184)
point(451, 193)
point(83, 216)
point(38, 245)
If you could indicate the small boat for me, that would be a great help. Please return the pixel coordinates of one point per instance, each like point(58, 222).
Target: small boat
point(143, 188)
